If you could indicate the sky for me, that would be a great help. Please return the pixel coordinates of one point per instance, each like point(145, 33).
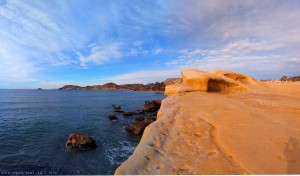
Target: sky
point(49, 44)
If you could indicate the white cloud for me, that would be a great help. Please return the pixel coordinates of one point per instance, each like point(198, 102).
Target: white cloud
point(157, 51)
point(137, 49)
point(254, 58)
point(14, 66)
point(144, 77)
point(267, 20)
point(31, 27)
point(59, 59)
point(250, 46)
point(101, 54)
point(138, 43)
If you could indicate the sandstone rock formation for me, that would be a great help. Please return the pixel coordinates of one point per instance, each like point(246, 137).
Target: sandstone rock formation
point(221, 122)
point(212, 81)
point(171, 81)
point(80, 141)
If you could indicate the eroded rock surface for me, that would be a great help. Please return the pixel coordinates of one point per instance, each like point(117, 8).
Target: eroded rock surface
point(212, 81)
point(235, 126)
point(80, 141)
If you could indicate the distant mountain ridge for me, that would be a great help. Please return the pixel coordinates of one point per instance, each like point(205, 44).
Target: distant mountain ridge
point(158, 86)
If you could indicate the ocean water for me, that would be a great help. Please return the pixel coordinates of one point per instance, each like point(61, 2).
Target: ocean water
point(35, 125)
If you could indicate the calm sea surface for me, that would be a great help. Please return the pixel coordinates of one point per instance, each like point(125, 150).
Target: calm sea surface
point(34, 127)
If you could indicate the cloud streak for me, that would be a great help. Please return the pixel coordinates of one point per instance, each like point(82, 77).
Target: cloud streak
point(144, 77)
point(254, 58)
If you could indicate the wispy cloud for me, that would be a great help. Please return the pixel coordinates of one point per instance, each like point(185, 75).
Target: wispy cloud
point(144, 77)
point(14, 66)
point(137, 49)
point(255, 58)
point(101, 54)
point(157, 50)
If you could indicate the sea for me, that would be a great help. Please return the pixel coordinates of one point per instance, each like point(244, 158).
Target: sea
point(35, 125)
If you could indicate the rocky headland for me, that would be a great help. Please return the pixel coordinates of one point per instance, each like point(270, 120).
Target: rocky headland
point(112, 86)
point(221, 122)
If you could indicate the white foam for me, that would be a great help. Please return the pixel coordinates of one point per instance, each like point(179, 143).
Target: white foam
point(117, 155)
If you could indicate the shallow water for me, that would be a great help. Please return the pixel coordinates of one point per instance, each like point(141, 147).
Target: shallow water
point(34, 126)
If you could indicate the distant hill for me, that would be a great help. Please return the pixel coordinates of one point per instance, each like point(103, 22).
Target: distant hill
point(112, 86)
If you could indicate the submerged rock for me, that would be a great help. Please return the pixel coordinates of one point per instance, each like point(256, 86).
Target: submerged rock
point(128, 113)
point(149, 120)
point(80, 141)
point(118, 110)
point(116, 107)
point(139, 118)
point(138, 112)
point(112, 117)
point(151, 106)
point(136, 128)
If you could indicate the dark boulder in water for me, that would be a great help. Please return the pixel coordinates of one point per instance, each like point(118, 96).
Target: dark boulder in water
point(116, 106)
point(128, 113)
point(151, 106)
point(118, 110)
point(137, 112)
point(136, 128)
point(112, 117)
point(80, 141)
point(139, 118)
point(149, 120)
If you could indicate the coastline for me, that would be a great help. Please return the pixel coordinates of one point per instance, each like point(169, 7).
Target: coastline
point(249, 131)
point(113, 90)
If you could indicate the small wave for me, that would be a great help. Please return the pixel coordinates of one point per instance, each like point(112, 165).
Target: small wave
point(116, 155)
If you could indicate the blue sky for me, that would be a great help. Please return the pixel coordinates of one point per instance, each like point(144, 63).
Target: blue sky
point(52, 43)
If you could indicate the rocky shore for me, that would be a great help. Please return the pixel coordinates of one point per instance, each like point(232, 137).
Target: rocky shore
point(221, 122)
